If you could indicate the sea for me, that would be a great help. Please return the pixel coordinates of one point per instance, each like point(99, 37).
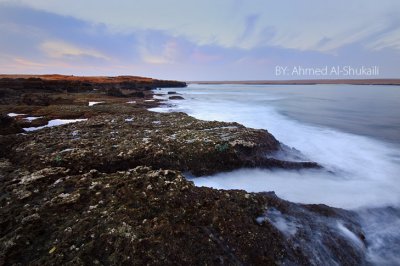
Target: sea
point(353, 131)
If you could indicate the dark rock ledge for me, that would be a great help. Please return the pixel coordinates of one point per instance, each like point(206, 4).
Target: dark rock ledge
point(171, 141)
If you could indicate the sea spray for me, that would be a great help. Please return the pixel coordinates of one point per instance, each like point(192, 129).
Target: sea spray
point(360, 173)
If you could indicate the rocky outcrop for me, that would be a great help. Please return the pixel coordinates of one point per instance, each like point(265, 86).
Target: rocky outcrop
point(82, 84)
point(171, 141)
point(110, 190)
point(33, 90)
point(145, 216)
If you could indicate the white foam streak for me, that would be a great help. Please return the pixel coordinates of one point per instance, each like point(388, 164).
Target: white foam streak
point(94, 103)
point(55, 122)
point(364, 171)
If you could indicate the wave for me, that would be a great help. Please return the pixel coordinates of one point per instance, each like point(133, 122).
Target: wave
point(358, 171)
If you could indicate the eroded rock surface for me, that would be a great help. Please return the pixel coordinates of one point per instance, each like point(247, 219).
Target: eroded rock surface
point(170, 141)
point(144, 216)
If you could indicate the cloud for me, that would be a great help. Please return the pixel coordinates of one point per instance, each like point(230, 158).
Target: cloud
point(60, 49)
point(223, 39)
point(167, 54)
point(158, 53)
point(390, 39)
point(240, 24)
point(28, 63)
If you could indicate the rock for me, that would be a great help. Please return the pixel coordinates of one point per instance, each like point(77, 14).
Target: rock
point(176, 98)
point(31, 218)
point(170, 141)
point(187, 224)
point(38, 99)
point(22, 193)
point(171, 92)
point(8, 125)
point(115, 92)
point(66, 198)
point(34, 123)
point(138, 94)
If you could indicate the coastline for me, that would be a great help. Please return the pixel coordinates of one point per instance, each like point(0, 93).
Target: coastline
point(123, 167)
point(389, 82)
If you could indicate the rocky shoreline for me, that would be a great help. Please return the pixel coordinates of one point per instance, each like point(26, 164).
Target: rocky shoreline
point(110, 190)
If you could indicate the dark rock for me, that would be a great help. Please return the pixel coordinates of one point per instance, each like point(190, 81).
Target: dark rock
point(38, 99)
point(170, 141)
point(14, 87)
point(6, 92)
point(34, 123)
point(115, 92)
point(171, 92)
point(176, 98)
point(144, 216)
point(8, 125)
point(138, 94)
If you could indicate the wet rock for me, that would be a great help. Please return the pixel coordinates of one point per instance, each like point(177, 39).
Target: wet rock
point(41, 121)
point(172, 141)
point(109, 218)
point(176, 98)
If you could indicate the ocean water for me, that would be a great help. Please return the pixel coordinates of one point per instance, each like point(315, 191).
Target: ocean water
point(352, 131)
point(327, 123)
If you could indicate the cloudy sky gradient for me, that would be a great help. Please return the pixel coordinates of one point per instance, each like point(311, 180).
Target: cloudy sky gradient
point(197, 40)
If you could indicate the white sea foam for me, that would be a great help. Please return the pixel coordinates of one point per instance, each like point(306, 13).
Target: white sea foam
point(94, 103)
point(287, 225)
point(31, 118)
point(350, 235)
point(381, 228)
point(358, 171)
point(14, 114)
point(55, 122)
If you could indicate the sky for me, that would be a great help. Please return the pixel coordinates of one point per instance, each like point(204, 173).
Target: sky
point(199, 40)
